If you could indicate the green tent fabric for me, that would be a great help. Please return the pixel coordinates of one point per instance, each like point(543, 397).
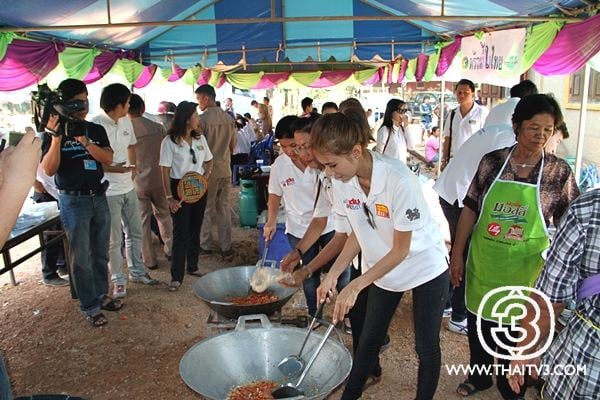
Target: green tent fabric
point(244, 80)
point(431, 66)
point(191, 75)
point(165, 72)
point(538, 39)
point(305, 78)
point(130, 69)
point(396, 71)
point(214, 78)
point(77, 62)
point(5, 39)
point(364, 74)
point(410, 69)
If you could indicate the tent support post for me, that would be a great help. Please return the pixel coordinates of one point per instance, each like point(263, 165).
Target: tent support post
point(582, 121)
point(442, 116)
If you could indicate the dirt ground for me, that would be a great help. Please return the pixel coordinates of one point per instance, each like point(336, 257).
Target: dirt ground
point(50, 348)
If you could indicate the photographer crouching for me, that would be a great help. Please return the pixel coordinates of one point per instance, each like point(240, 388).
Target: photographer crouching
point(73, 152)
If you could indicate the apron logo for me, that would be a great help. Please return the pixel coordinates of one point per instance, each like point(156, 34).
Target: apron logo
point(352, 204)
point(382, 211)
point(508, 211)
point(413, 214)
point(494, 229)
point(515, 232)
point(288, 182)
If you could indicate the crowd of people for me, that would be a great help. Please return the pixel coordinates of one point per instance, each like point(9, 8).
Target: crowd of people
point(361, 230)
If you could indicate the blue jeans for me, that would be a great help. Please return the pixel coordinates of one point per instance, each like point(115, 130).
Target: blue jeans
point(428, 306)
point(311, 284)
point(86, 221)
point(125, 216)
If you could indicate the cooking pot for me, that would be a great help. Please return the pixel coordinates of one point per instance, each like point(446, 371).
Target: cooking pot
point(217, 286)
point(214, 366)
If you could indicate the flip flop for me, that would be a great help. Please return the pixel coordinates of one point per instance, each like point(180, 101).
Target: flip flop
point(466, 389)
point(97, 320)
point(109, 304)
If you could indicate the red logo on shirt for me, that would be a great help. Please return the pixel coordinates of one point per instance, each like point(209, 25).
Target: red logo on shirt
point(494, 229)
point(352, 204)
point(288, 182)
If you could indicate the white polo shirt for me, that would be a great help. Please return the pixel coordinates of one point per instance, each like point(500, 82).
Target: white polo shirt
point(298, 190)
point(454, 182)
point(396, 202)
point(464, 126)
point(177, 156)
point(324, 204)
point(501, 114)
point(121, 136)
point(397, 146)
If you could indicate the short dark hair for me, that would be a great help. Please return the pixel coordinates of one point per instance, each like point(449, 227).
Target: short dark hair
point(329, 104)
point(467, 82)
point(113, 95)
point(207, 90)
point(266, 99)
point(529, 106)
point(71, 87)
point(523, 89)
point(563, 129)
point(253, 102)
point(136, 104)
point(304, 125)
point(284, 128)
point(307, 101)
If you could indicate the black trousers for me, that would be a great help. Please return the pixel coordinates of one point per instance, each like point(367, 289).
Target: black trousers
point(456, 296)
point(53, 257)
point(186, 236)
point(478, 356)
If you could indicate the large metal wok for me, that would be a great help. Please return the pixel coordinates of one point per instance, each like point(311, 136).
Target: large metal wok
point(214, 366)
point(215, 287)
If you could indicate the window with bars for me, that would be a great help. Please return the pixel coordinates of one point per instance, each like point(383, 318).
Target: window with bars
point(576, 87)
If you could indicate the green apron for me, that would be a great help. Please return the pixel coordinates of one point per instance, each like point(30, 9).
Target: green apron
point(506, 244)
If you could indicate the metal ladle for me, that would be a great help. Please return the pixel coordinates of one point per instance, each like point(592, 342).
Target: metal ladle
point(292, 365)
point(289, 390)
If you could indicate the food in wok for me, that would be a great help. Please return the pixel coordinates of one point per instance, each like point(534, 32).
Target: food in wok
point(258, 390)
point(254, 298)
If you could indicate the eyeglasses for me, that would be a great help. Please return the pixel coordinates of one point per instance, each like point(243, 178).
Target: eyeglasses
point(369, 215)
point(194, 161)
point(402, 110)
point(301, 149)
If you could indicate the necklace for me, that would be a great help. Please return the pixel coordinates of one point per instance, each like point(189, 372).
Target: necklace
point(524, 165)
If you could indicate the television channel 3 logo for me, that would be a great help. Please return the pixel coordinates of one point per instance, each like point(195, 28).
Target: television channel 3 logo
point(512, 301)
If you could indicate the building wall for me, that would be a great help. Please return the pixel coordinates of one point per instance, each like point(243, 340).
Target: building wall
point(559, 87)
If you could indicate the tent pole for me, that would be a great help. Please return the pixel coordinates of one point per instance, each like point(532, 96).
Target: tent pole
point(442, 116)
point(582, 121)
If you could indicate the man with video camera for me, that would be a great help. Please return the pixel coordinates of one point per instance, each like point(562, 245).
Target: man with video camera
point(74, 151)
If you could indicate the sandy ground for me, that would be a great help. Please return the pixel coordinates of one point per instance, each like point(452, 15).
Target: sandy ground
point(50, 348)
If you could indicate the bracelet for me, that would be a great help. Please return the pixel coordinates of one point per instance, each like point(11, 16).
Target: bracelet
point(299, 252)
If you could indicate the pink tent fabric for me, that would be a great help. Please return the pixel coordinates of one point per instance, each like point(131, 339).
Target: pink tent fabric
point(102, 64)
point(447, 55)
point(270, 80)
point(27, 62)
point(330, 78)
point(146, 76)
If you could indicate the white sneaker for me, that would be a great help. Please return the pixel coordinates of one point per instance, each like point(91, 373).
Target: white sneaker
point(447, 312)
point(459, 327)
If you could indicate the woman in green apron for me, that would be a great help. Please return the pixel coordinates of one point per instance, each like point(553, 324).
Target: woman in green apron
point(515, 194)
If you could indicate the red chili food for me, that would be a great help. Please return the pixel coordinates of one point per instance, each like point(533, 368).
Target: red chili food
point(254, 298)
point(259, 390)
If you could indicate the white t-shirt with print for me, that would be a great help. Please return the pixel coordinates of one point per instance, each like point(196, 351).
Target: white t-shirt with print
point(177, 156)
point(121, 136)
point(324, 203)
point(298, 190)
point(396, 202)
point(464, 126)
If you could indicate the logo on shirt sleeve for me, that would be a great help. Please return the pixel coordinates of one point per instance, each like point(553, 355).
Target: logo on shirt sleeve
point(413, 214)
point(382, 210)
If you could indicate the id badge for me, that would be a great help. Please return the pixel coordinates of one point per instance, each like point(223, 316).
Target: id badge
point(90, 165)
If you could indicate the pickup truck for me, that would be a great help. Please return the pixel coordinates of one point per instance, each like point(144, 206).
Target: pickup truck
point(434, 99)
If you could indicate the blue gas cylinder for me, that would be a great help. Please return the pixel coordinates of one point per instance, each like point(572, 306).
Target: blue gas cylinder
point(248, 203)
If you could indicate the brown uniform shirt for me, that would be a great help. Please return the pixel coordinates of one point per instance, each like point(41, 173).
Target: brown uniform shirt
point(149, 135)
point(219, 129)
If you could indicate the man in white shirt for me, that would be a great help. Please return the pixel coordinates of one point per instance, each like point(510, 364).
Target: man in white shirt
point(501, 114)
point(121, 195)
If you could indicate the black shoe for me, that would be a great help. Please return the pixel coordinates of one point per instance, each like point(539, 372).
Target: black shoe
point(195, 273)
point(204, 252)
point(62, 271)
point(58, 281)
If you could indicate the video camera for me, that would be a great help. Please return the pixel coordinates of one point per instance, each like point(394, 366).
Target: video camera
point(46, 102)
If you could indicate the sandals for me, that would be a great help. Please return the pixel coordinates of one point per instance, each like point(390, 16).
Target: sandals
point(109, 304)
point(466, 389)
point(97, 320)
point(195, 272)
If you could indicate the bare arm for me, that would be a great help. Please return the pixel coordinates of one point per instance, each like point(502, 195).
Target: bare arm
point(312, 234)
point(445, 153)
point(208, 166)
point(51, 160)
point(17, 174)
point(330, 251)
point(271, 224)
point(466, 222)
point(174, 205)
